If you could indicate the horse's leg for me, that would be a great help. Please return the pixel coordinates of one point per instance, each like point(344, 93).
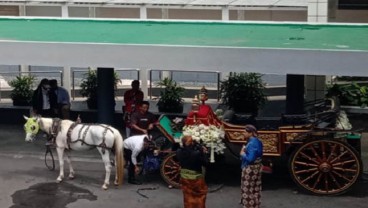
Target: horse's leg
point(68, 160)
point(116, 182)
point(106, 160)
point(60, 152)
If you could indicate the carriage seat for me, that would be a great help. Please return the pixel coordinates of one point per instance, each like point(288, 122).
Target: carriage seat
point(165, 126)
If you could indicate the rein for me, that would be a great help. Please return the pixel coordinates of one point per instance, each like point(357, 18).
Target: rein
point(54, 129)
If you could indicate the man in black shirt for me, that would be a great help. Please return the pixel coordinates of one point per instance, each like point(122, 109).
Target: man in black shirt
point(142, 121)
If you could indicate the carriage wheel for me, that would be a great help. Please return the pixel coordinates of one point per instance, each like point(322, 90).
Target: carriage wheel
point(325, 167)
point(49, 159)
point(170, 170)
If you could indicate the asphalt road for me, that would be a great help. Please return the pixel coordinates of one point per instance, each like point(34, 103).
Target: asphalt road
point(27, 183)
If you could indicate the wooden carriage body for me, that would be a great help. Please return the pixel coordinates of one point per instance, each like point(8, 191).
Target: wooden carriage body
point(320, 159)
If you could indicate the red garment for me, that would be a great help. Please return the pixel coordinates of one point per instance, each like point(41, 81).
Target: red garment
point(194, 192)
point(205, 116)
point(132, 100)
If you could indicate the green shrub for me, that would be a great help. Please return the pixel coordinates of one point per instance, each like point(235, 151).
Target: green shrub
point(89, 87)
point(170, 97)
point(243, 92)
point(22, 91)
point(349, 94)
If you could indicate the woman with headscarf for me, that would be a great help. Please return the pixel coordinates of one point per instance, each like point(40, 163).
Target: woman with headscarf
point(192, 158)
point(251, 158)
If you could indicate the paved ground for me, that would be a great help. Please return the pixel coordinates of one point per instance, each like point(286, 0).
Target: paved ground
point(26, 183)
point(22, 172)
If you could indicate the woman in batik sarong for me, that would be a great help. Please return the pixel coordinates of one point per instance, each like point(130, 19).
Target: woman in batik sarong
point(192, 158)
point(251, 158)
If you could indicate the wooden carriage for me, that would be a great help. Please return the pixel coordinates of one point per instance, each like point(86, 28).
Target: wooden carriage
point(321, 161)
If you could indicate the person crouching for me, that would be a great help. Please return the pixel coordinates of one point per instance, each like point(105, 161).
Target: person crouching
point(133, 147)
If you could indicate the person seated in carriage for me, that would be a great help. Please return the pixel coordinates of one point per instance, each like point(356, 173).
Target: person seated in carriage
point(134, 147)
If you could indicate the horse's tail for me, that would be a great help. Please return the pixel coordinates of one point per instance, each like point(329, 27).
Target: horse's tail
point(119, 152)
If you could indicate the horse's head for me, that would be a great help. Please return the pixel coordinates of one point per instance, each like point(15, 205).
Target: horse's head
point(31, 127)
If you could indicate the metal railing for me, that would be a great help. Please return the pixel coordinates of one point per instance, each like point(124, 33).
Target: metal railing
point(134, 74)
point(197, 82)
point(74, 83)
point(11, 75)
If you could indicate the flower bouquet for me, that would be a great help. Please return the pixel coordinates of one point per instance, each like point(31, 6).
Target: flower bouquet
point(210, 136)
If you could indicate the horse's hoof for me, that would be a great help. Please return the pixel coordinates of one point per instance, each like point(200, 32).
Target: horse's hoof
point(104, 187)
point(71, 176)
point(58, 180)
point(116, 183)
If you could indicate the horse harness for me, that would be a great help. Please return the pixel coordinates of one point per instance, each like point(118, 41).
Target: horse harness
point(82, 137)
point(56, 128)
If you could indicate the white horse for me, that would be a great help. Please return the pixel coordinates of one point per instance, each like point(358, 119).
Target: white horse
point(69, 135)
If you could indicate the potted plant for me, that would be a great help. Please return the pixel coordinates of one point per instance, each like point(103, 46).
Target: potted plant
point(170, 97)
point(243, 92)
point(89, 87)
point(22, 90)
point(353, 94)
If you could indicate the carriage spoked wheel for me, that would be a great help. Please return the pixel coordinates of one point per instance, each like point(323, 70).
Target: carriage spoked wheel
point(170, 170)
point(325, 167)
point(49, 158)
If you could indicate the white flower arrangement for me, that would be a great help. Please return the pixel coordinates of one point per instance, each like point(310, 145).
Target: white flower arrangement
point(211, 136)
point(342, 121)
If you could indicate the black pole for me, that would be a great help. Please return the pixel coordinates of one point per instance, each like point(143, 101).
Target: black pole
point(294, 94)
point(105, 96)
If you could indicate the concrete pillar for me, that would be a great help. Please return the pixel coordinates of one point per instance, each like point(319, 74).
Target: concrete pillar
point(143, 12)
point(92, 12)
point(166, 74)
point(241, 15)
point(66, 82)
point(105, 96)
point(22, 10)
point(144, 82)
point(318, 10)
point(64, 11)
point(225, 13)
point(294, 94)
point(24, 68)
point(165, 13)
